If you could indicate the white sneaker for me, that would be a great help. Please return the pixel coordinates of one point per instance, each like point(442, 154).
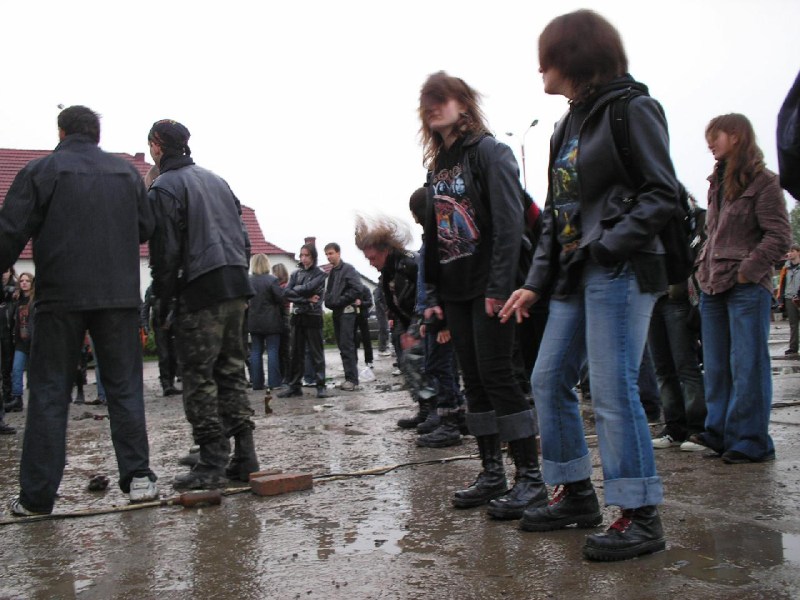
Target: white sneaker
point(16, 509)
point(143, 490)
point(665, 441)
point(384, 353)
point(688, 446)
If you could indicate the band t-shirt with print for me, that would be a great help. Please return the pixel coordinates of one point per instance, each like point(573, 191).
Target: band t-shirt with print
point(566, 191)
point(462, 272)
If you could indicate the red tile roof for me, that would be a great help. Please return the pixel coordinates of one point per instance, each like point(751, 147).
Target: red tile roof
point(12, 160)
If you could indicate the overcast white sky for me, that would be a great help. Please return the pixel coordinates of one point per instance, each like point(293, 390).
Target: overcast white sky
point(308, 109)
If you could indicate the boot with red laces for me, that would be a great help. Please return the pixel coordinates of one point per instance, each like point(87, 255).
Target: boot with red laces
point(638, 531)
point(572, 504)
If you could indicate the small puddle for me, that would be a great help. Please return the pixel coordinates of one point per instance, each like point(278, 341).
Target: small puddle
point(720, 560)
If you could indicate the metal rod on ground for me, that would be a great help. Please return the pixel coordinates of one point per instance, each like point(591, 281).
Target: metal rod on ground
point(213, 497)
point(187, 500)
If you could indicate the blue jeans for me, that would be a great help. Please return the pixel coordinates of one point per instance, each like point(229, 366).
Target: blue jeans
point(674, 349)
point(442, 373)
point(272, 344)
point(101, 391)
point(608, 327)
point(17, 371)
point(738, 376)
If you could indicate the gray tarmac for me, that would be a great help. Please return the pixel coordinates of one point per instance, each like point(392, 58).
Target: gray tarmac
point(385, 527)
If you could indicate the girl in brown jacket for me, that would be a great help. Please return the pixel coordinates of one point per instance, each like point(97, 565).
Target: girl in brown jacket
point(748, 232)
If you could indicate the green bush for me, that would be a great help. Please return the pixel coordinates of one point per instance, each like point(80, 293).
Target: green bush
point(328, 335)
point(150, 345)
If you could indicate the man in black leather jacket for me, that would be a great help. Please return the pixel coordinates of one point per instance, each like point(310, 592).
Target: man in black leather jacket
point(304, 290)
point(199, 255)
point(342, 296)
point(78, 204)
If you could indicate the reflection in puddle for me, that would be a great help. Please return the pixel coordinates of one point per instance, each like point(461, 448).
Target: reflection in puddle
point(719, 557)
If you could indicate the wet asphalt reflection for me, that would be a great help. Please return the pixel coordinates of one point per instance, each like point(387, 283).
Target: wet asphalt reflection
point(733, 530)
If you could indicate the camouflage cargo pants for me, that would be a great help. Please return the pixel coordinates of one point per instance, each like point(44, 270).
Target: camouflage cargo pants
point(211, 351)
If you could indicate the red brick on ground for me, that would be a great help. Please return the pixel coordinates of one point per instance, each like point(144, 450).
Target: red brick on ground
point(272, 485)
point(264, 473)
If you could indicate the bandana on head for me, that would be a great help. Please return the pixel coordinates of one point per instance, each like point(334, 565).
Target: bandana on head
point(171, 136)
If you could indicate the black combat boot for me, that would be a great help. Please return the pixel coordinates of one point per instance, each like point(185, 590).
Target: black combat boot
point(290, 391)
point(431, 422)
point(529, 490)
point(446, 434)
point(244, 460)
point(209, 472)
point(191, 458)
point(491, 481)
point(15, 405)
point(572, 504)
point(412, 422)
point(638, 531)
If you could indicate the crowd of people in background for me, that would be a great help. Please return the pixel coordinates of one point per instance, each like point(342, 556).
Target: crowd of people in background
point(505, 316)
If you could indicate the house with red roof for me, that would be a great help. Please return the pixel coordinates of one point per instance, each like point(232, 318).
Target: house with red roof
point(12, 160)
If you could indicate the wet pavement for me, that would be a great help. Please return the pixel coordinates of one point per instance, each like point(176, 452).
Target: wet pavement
point(733, 530)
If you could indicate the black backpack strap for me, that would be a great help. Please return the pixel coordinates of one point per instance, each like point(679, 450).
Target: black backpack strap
point(620, 131)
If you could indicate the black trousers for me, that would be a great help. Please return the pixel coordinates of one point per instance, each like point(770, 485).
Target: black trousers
point(307, 333)
point(55, 352)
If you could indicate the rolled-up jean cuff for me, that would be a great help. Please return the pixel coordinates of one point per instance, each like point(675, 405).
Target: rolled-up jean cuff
point(484, 423)
point(517, 426)
point(633, 493)
point(569, 472)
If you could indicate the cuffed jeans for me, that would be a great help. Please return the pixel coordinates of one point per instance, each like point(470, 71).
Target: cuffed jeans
point(608, 327)
point(484, 347)
point(55, 353)
point(271, 343)
point(737, 372)
point(674, 350)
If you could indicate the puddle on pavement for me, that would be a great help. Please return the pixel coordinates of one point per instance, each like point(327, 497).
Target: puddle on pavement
point(720, 560)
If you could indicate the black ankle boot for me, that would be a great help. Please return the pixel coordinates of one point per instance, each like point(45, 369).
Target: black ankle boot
point(529, 490)
point(209, 472)
point(431, 422)
point(572, 504)
point(290, 392)
point(15, 405)
point(491, 481)
point(244, 460)
point(638, 531)
point(446, 434)
point(412, 422)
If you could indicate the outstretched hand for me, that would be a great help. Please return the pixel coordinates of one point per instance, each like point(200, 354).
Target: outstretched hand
point(518, 305)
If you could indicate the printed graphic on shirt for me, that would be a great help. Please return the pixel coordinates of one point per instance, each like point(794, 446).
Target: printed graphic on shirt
point(458, 234)
point(23, 313)
point(566, 203)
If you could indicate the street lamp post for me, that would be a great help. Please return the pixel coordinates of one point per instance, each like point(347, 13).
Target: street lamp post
point(533, 124)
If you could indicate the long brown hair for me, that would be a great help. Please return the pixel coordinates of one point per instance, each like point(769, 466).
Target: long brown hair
point(437, 89)
point(585, 48)
point(381, 233)
point(745, 161)
point(18, 291)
